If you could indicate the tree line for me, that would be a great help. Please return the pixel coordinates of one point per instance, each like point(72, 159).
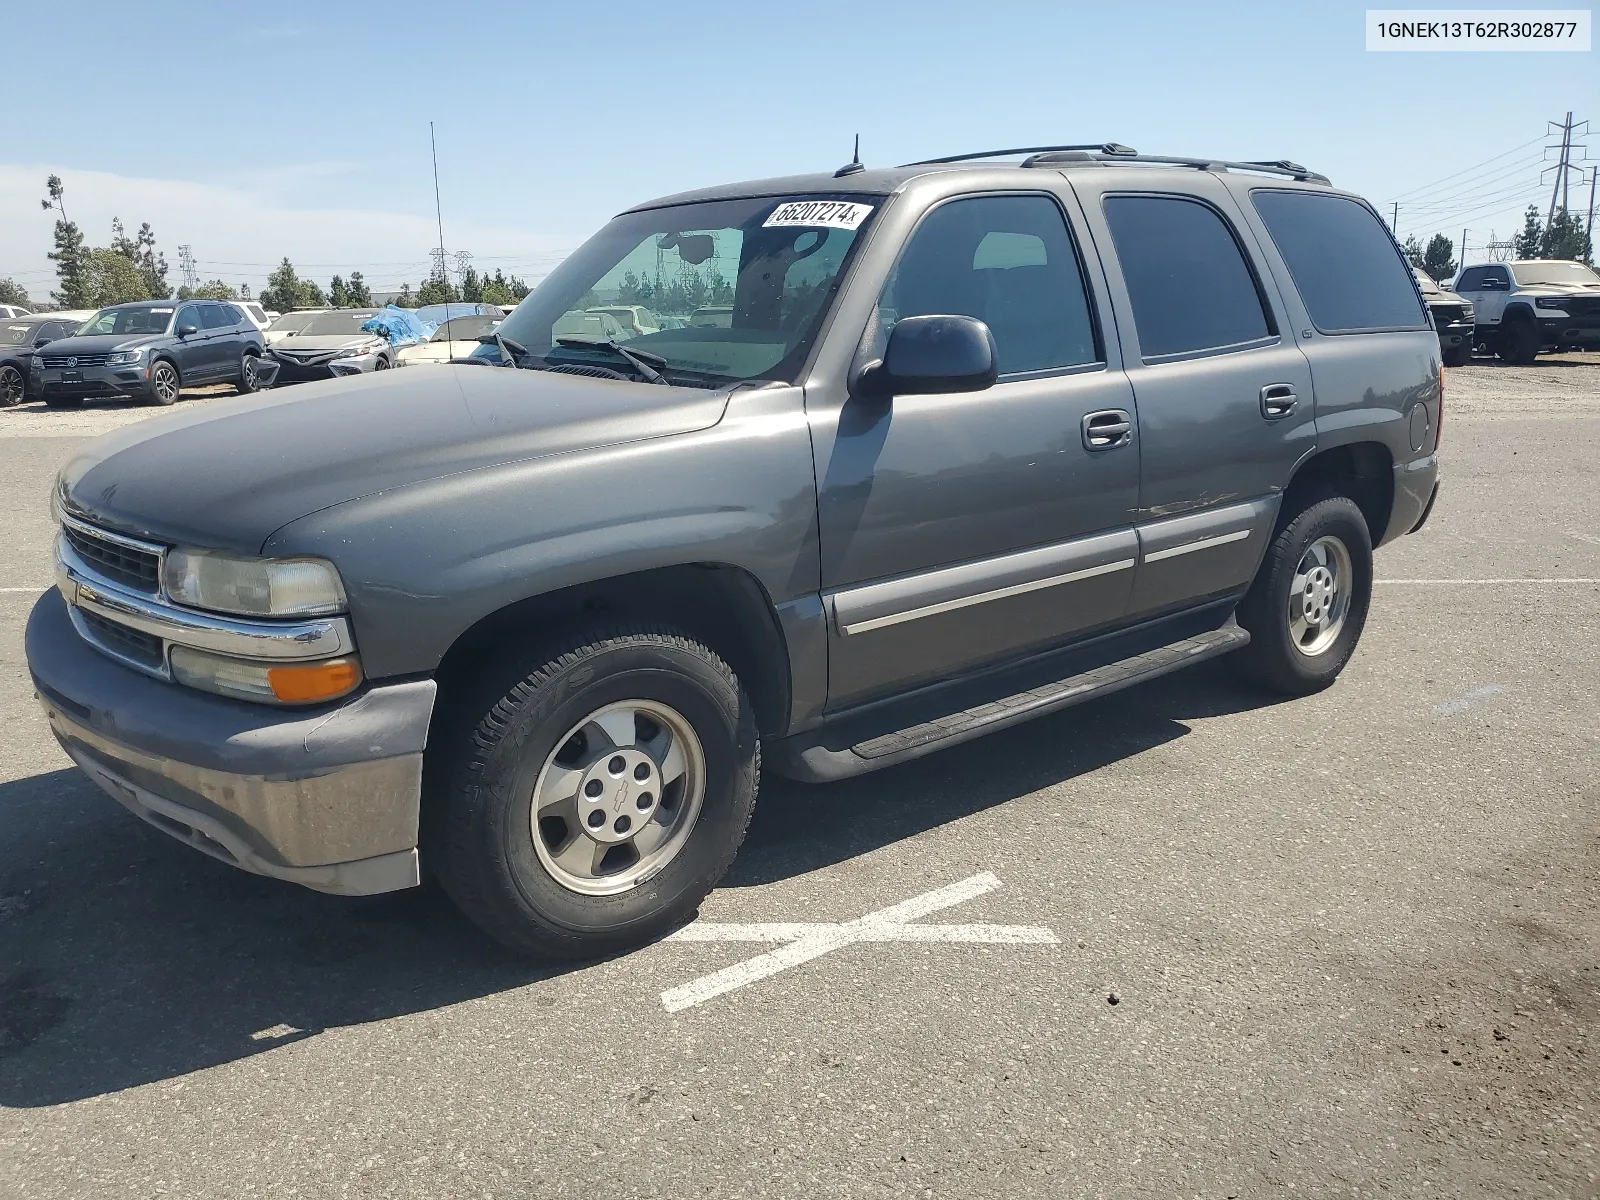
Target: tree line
point(1563, 237)
point(131, 268)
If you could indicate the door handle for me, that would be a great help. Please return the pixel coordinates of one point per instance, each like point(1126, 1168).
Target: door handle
point(1278, 401)
point(1107, 429)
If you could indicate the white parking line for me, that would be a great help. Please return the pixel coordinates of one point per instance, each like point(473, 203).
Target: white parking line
point(1530, 580)
point(806, 940)
point(32, 590)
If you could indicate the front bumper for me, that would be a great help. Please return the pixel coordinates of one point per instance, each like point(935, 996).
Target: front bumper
point(292, 370)
point(326, 797)
point(1570, 330)
point(89, 381)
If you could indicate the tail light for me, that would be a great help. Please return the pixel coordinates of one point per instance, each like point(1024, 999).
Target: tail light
point(1438, 424)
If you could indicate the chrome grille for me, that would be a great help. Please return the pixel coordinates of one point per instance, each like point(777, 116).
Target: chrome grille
point(76, 360)
point(123, 642)
point(116, 561)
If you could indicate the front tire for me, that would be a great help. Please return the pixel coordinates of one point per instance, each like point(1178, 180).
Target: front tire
point(587, 801)
point(165, 386)
point(13, 387)
point(1309, 602)
point(249, 381)
point(1520, 342)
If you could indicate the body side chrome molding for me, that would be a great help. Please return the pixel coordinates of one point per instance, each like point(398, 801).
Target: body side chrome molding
point(1015, 589)
point(1202, 544)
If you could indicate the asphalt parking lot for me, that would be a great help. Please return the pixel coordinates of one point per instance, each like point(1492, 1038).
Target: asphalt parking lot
point(1181, 942)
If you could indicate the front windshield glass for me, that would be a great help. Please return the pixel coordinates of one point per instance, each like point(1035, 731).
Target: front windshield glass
point(152, 319)
point(292, 322)
point(1425, 282)
point(1554, 272)
point(464, 329)
point(340, 320)
point(722, 291)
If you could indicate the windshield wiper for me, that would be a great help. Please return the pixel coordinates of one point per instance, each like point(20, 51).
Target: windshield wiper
point(642, 360)
point(510, 351)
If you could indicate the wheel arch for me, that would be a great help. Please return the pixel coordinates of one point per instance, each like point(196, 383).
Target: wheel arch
point(1364, 471)
point(721, 605)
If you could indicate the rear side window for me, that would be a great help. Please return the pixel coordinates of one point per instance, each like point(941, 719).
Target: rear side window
point(1008, 261)
point(214, 315)
point(1188, 281)
point(1344, 263)
point(235, 317)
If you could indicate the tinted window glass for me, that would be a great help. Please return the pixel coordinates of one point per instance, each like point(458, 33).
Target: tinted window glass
point(1344, 263)
point(1008, 261)
point(1187, 280)
point(1498, 275)
point(189, 314)
point(1470, 279)
point(214, 315)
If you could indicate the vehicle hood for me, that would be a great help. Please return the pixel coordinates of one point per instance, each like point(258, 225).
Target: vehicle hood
point(438, 351)
point(103, 343)
point(1561, 289)
point(327, 341)
point(228, 475)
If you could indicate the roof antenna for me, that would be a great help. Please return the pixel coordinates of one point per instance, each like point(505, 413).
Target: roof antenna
point(854, 165)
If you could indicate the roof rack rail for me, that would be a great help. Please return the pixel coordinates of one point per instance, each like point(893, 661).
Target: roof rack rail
point(1110, 149)
point(1054, 156)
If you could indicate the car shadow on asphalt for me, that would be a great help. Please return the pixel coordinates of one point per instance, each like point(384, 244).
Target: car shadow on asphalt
point(128, 959)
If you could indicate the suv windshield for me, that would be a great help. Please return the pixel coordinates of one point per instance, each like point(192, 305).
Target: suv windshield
point(128, 320)
point(1554, 272)
point(17, 335)
point(340, 320)
point(720, 291)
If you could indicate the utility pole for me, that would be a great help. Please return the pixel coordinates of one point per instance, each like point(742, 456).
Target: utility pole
point(1588, 227)
point(1561, 166)
point(1463, 255)
point(1394, 221)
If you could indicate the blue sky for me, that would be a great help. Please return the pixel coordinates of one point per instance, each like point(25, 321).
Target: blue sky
point(255, 131)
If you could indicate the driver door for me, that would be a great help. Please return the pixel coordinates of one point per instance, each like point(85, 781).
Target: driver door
point(191, 350)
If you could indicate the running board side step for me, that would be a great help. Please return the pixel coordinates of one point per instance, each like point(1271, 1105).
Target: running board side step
point(805, 757)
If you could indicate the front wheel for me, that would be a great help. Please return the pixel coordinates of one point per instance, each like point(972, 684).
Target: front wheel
point(1308, 604)
point(249, 381)
point(1519, 343)
point(164, 385)
point(381, 365)
point(587, 801)
point(13, 387)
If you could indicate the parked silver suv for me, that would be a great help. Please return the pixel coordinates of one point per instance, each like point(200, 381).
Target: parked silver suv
point(964, 452)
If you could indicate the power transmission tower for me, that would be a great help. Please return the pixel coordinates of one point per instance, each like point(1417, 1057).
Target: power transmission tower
point(191, 274)
point(438, 256)
point(1564, 164)
point(463, 261)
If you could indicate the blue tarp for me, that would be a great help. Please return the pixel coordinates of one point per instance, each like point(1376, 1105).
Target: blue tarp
point(401, 326)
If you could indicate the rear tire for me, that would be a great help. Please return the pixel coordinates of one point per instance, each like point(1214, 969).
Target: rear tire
point(1308, 604)
point(529, 823)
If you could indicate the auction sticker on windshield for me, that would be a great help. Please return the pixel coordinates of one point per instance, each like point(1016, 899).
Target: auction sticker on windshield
point(818, 214)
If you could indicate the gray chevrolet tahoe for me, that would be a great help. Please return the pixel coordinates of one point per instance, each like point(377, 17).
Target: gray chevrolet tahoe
point(965, 452)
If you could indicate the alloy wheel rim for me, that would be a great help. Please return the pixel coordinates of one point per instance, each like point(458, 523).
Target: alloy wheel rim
point(618, 797)
point(10, 387)
point(248, 370)
point(1319, 596)
point(166, 383)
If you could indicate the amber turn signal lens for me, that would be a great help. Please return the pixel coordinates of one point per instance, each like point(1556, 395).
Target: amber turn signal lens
point(319, 681)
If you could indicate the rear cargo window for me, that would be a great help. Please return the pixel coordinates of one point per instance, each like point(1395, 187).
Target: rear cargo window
point(1188, 281)
point(1344, 263)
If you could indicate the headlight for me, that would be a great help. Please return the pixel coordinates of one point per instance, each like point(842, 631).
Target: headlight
point(254, 587)
point(123, 358)
point(356, 352)
point(36, 362)
point(1550, 301)
point(272, 683)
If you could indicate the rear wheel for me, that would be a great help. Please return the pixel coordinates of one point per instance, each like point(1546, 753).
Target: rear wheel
point(164, 385)
point(589, 800)
point(13, 387)
point(1308, 604)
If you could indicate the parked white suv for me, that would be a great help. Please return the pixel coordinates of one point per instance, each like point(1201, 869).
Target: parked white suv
point(1538, 304)
point(10, 312)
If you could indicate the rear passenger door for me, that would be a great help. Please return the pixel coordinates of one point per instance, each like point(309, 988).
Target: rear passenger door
point(222, 341)
point(1224, 394)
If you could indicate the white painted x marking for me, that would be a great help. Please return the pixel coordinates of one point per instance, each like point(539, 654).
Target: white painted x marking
point(805, 940)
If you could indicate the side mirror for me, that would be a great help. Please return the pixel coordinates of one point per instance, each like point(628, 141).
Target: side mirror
point(186, 330)
point(932, 354)
point(44, 341)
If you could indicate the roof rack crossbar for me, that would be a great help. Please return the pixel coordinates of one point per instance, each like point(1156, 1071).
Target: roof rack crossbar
point(1110, 149)
point(1113, 152)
